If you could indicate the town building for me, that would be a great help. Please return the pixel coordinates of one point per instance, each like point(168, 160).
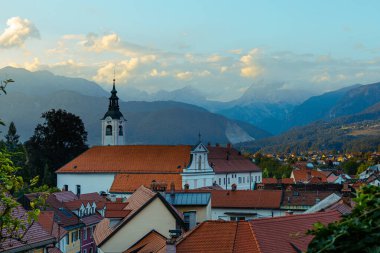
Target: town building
point(120, 169)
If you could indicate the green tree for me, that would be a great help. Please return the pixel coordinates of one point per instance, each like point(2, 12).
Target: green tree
point(265, 173)
point(12, 227)
point(350, 167)
point(12, 138)
point(357, 232)
point(58, 140)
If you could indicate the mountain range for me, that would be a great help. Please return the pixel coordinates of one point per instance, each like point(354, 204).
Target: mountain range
point(159, 122)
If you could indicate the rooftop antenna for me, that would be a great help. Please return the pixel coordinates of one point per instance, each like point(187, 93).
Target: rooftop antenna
point(114, 67)
point(199, 136)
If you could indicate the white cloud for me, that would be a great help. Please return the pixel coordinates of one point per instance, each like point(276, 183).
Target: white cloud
point(249, 67)
point(214, 58)
point(17, 32)
point(156, 73)
point(31, 66)
point(223, 69)
point(204, 73)
point(123, 71)
point(235, 51)
point(323, 77)
point(184, 75)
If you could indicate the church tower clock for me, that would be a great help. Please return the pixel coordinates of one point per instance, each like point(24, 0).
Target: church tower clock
point(113, 122)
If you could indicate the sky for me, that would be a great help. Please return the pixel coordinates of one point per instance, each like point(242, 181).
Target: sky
point(218, 47)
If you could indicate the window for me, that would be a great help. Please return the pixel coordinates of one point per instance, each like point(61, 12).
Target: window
point(237, 218)
point(85, 234)
point(84, 251)
point(224, 181)
point(109, 130)
point(255, 178)
point(243, 180)
point(78, 189)
point(239, 180)
point(190, 219)
point(199, 162)
point(90, 251)
point(65, 187)
point(220, 181)
point(68, 239)
point(120, 130)
point(229, 181)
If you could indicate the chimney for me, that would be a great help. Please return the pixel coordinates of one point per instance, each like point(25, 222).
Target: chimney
point(217, 145)
point(233, 187)
point(308, 175)
point(186, 186)
point(170, 243)
point(228, 155)
point(346, 194)
point(172, 188)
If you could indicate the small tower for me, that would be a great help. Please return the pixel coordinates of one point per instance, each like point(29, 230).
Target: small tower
point(113, 122)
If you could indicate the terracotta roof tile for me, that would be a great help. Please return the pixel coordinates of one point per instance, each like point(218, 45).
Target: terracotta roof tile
point(304, 175)
point(270, 180)
point(236, 163)
point(74, 204)
point(102, 230)
point(117, 213)
point(130, 182)
point(277, 234)
point(246, 199)
point(219, 236)
point(46, 220)
point(92, 219)
point(127, 159)
point(287, 180)
point(304, 198)
point(151, 243)
point(115, 206)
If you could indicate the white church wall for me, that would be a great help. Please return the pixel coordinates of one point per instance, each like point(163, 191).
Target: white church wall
point(96, 182)
point(243, 181)
point(248, 214)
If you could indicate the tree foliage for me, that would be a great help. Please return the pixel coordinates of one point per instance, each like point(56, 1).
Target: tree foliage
point(357, 232)
point(58, 140)
point(272, 167)
point(12, 227)
point(12, 138)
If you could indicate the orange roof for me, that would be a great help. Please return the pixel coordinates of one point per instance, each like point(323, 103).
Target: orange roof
point(152, 242)
point(287, 180)
point(282, 234)
point(246, 199)
point(130, 182)
point(46, 220)
point(219, 236)
point(279, 234)
point(270, 180)
point(305, 175)
point(130, 159)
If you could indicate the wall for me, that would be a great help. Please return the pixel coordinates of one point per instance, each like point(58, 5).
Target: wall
point(197, 180)
point(219, 213)
point(246, 184)
point(154, 216)
point(88, 240)
point(73, 247)
point(95, 182)
point(203, 213)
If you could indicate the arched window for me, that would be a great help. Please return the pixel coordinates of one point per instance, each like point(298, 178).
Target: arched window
point(199, 162)
point(109, 130)
point(121, 130)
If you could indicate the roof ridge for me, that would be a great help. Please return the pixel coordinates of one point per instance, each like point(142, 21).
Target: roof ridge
point(254, 236)
point(295, 216)
point(236, 231)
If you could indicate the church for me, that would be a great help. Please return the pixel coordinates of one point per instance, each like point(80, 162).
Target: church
point(120, 169)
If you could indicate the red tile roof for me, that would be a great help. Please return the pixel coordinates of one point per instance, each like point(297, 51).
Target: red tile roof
point(246, 199)
point(130, 182)
point(219, 237)
point(277, 234)
point(46, 220)
point(264, 235)
point(92, 219)
point(127, 159)
point(270, 180)
point(151, 243)
point(304, 198)
point(34, 236)
point(304, 175)
point(235, 163)
point(117, 213)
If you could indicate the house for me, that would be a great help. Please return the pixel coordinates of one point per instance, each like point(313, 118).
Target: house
point(35, 240)
point(194, 205)
point(308, 176)
point(46, 220)
point(231, 168)
point(375, 169)
point(145, 211)
point(245, 204)
point(120, 169)
point(286, 234)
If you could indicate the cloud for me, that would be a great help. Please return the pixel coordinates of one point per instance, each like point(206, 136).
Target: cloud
point(123, 71)
point(249, 67)
point(31, 66)
point(214, 58)
point(156, 73)
point(17, 32)
point(323, 77)
point(184, 75)
point(235, 51)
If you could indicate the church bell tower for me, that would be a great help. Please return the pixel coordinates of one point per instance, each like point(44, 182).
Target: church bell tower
point(113, 122)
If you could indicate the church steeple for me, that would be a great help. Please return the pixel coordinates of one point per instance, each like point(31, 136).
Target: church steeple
point(113, 107)
point(113, 122)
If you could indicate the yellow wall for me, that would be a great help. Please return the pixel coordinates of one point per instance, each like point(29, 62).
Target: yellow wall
point(203, 213)
point(73, 247)
point(154, 216)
